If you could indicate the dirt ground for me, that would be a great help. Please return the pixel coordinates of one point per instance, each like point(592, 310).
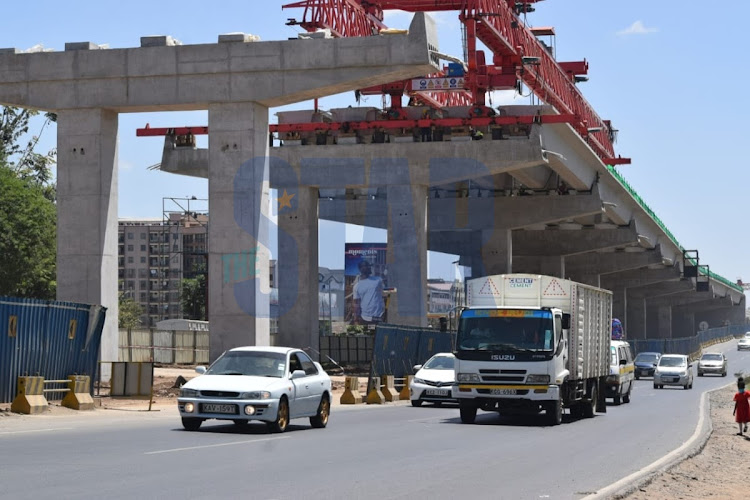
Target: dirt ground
point(718, 471)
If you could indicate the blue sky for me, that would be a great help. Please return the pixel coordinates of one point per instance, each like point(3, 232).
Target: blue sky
point(653, 71)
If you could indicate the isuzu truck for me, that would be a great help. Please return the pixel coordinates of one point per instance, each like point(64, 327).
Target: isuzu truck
point(530, 343)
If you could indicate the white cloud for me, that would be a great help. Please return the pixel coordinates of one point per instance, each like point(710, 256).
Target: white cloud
point(637, 28)
point(401, 19)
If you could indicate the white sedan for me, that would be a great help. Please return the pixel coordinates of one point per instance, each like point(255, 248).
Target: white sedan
point(433, 380)
point(268, 384)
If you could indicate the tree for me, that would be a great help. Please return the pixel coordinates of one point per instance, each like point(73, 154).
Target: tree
point(194, 297)
point(129, 313)
point(28, 235)
point(28, 219)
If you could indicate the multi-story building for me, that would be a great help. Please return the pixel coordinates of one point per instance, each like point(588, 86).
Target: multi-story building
point(154, 255)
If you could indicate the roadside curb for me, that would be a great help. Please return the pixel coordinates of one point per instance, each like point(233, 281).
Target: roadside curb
point(693, 446)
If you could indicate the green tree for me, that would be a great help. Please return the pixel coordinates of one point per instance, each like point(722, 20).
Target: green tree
point(194, 297)
point(129, 313)
point(25, 161)
point(28, 235)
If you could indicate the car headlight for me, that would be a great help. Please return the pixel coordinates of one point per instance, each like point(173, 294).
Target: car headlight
point(537, 379)
point(188, 393)
point(418, 380)
point(256, 395)
point(467, 377)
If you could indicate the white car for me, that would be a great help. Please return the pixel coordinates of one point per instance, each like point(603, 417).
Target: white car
point(269, 384)
point(673, 369)
point(744, 342)
point(432, 381)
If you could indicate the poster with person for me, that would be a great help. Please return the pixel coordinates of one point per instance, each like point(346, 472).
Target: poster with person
point(366, 279)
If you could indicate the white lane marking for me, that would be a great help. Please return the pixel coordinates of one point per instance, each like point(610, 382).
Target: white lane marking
point(37, 430)
point(215, 445)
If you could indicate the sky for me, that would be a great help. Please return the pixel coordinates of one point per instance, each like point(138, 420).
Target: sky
point(652, 72)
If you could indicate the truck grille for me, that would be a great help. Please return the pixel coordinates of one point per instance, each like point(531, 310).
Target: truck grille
point(503, 375)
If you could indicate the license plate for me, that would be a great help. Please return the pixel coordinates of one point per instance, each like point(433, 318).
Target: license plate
point(503, 392)
point(217, 408)
point(437, 392)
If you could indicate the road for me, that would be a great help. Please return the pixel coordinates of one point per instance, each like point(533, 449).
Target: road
point(367, 452)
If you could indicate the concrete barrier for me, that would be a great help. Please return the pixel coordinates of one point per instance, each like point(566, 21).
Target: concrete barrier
point(405, 395)
point(29, 396)
point(374, 394)
point(79, 393)
point(389, 389)
point(351, 395)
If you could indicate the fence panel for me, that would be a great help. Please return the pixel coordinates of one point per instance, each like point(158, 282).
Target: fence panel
point(164, 347)
point(398, 348)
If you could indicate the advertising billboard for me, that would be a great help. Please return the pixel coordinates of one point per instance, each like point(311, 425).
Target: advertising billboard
point(366, 279)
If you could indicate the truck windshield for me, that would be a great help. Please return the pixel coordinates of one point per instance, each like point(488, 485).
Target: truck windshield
point(506, 330)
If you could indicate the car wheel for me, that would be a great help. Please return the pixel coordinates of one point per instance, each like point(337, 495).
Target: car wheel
point(468, 412)
point(724, 374)
point(282, 417)
point(700, 374)
point(616, 399)
point(320, 420)
point(656, 386)
point(240, 422)
point(554, 412)
point(686, 386)
point(589, 408)
point(637, 377)
point(626, 397)
point(416, 403)
point(191, 423)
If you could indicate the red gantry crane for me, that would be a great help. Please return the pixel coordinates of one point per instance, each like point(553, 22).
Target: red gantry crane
point(518, 56)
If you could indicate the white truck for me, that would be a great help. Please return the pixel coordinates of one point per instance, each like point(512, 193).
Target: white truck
point(528, 343)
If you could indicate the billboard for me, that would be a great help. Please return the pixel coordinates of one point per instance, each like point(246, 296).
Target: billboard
point(366, 277)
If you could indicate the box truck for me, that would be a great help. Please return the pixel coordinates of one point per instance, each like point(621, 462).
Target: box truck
point(530, 343)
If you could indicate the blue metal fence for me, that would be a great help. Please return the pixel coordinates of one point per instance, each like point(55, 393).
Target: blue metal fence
point(47, 338)
point(691, 346)
point(398, 348)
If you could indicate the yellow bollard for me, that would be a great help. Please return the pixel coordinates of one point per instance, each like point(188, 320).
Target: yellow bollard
point(79, 395)
point(375, 396)
point(389, 390)
point(29, 396)
point(405, 395)
point(351, 395)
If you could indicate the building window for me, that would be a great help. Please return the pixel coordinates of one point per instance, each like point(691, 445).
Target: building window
point(143, 248)
point(131, 285)
point(131, 273)
point(130, 248)
point(130, 236)
point(143, 284)
point(130, 260)
point(143, 236)
point(143, 259)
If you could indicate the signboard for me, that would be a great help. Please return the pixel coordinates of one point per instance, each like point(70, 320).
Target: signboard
point(366, 278)
point(436, 84)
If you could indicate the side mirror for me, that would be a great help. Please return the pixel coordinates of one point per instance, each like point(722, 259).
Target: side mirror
point(417, 367)
point(200, 369)
point(298, 374)
point(623, 361)
point(565, 323)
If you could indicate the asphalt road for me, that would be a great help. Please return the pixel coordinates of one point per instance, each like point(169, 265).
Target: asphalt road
point(366, 452)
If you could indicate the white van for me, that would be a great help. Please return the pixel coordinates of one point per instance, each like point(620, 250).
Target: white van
point(621, 372)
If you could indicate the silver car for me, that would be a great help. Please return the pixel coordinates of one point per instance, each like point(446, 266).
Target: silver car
point(712, 362)
point(673, 369)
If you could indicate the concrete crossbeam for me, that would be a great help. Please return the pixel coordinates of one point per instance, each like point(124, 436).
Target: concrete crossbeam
point(190, 77)
point(611, 262)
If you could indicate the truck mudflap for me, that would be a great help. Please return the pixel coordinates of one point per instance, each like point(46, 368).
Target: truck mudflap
point(601, 396)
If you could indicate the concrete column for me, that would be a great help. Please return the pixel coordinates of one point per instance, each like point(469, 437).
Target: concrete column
point(683, 321)
point(407, 254)
point(665, 322)
point(238, 254)
point(87, 216)
point(636, 319)
point(497, 250)
point(297, 268)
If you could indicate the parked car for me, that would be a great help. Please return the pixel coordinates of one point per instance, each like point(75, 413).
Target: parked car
point(673, 369)
point(645, 364)
point(743, 344)
point(712, 362)
point(267, 384)
point(432, 381)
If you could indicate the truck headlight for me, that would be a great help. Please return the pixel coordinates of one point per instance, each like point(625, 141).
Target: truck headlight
point(467, 377)
point(537, 379)
point(188, 393)
point(256, 395)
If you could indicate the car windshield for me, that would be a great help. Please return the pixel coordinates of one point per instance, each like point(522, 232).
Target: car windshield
point(672, 361)
point(257, 363)
point(439, 363)
point(711, 357)
point(646, 357)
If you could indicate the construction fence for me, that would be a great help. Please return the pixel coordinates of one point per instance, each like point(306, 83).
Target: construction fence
point(169, 347)
point(51, 340)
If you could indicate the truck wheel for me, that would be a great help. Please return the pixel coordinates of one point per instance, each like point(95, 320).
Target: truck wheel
point(590, 408)
point(554, 412)
point(468, 412)
point(626, 397)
